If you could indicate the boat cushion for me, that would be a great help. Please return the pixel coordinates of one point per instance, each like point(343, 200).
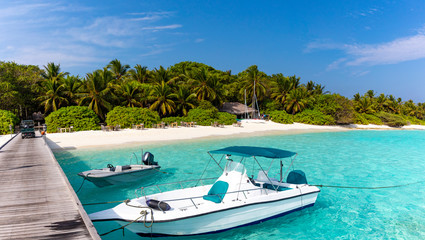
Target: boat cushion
point(217, 192)
point(274, 187)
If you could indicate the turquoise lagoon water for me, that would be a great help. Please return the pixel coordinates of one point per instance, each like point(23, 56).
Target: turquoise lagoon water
point(353, 158)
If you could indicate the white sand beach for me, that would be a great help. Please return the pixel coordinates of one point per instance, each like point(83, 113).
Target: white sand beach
point(99, 138)
point(147, 136)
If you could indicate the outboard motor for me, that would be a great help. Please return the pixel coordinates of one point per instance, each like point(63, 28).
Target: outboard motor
point(148, 159)
point(296, 177)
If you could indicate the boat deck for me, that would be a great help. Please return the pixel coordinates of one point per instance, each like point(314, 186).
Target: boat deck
point(36, 199)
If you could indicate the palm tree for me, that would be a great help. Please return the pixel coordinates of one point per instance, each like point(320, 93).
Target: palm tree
point(281, 86)
point(203, 83)
point(139, 73)
point(52, 89)
point(161, 75)
point(53, 96)
point(162, 95)
point(297, 100)
point(392, 104)
point(382, 102)
point(357, 97)
point(52, 71)
point(132, 92)
point(185, 100)
point(409, 108)
point(370, 94)
point(71, 87)
point(252, 76)
point(364, 105)
point(319, 90)
point(118, 70)
point(295, 81)
point(98, 93)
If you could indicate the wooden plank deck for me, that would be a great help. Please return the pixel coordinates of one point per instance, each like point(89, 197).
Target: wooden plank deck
point(36, 199)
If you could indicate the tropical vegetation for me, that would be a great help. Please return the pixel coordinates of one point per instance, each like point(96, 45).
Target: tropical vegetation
point(78, 117)
point(7, 120)
point(181, 91)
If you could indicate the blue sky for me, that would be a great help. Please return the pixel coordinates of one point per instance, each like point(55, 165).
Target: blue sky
point(348, 46)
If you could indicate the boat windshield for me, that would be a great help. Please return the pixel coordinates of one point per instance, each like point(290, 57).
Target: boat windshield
point(234, 166)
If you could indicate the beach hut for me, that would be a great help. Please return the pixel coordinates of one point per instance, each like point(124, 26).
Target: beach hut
point(238, 109)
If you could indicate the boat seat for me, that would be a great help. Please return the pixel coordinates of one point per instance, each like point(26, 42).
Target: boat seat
point(118, 168)
point(217, 192)
point(273, 187)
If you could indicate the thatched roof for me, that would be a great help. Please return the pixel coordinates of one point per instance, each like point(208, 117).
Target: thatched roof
point(236, 108)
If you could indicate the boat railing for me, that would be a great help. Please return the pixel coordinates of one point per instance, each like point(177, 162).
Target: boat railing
point(200, 183)
point(192, 198)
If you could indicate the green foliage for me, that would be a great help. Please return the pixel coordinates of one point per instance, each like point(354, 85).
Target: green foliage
point(80, 118)
point(226, 118)
point(372, 119)
point(7, 118)
point(390, 119)
point(19, 88)
point(206, 114)
point(127, 116)
point(337, 106)
point(314, 117)
point(206, 105)
point(360, 119)
point(413, 120)
point(281, 117)
point(271, 106)
point(203, 117)
point(365, 119)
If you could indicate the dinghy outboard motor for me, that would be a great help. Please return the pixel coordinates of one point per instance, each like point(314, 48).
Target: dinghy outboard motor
point(148, 159)
point(158, 205)
point(296, 177)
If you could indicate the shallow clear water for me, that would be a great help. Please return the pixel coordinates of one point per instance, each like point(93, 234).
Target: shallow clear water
point(353, 158)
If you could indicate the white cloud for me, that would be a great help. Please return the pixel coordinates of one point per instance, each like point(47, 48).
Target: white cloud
point(399, 50)
point(173, 26)
point(73, 35)
point(396, 51)
point(199, 40)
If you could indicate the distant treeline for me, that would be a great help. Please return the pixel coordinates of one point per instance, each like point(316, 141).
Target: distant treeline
point(174, 91)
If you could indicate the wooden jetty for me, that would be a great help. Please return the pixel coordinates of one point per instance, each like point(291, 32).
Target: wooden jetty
point(36, 199)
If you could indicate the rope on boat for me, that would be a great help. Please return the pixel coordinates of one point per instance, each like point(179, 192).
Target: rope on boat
point(86, 204)
point(357, 187)
point(143, 213)
point(82, 183)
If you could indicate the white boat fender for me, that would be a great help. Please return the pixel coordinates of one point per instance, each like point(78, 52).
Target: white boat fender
point(158, 205)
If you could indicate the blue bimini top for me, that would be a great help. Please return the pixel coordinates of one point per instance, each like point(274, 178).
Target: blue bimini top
point(247, 151)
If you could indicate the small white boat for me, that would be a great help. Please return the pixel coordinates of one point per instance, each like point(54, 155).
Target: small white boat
point(234, 200)
point(112, 175)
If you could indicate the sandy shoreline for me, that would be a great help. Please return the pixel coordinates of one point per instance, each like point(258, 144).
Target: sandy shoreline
point(89, 139)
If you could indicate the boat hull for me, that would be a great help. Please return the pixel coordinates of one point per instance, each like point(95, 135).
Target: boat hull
point(121, 178)
point(225, 219)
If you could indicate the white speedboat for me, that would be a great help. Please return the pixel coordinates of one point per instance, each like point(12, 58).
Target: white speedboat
point(234, 200)
point(112, 175)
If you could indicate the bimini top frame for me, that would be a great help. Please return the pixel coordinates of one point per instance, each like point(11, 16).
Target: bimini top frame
point(248, 151)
